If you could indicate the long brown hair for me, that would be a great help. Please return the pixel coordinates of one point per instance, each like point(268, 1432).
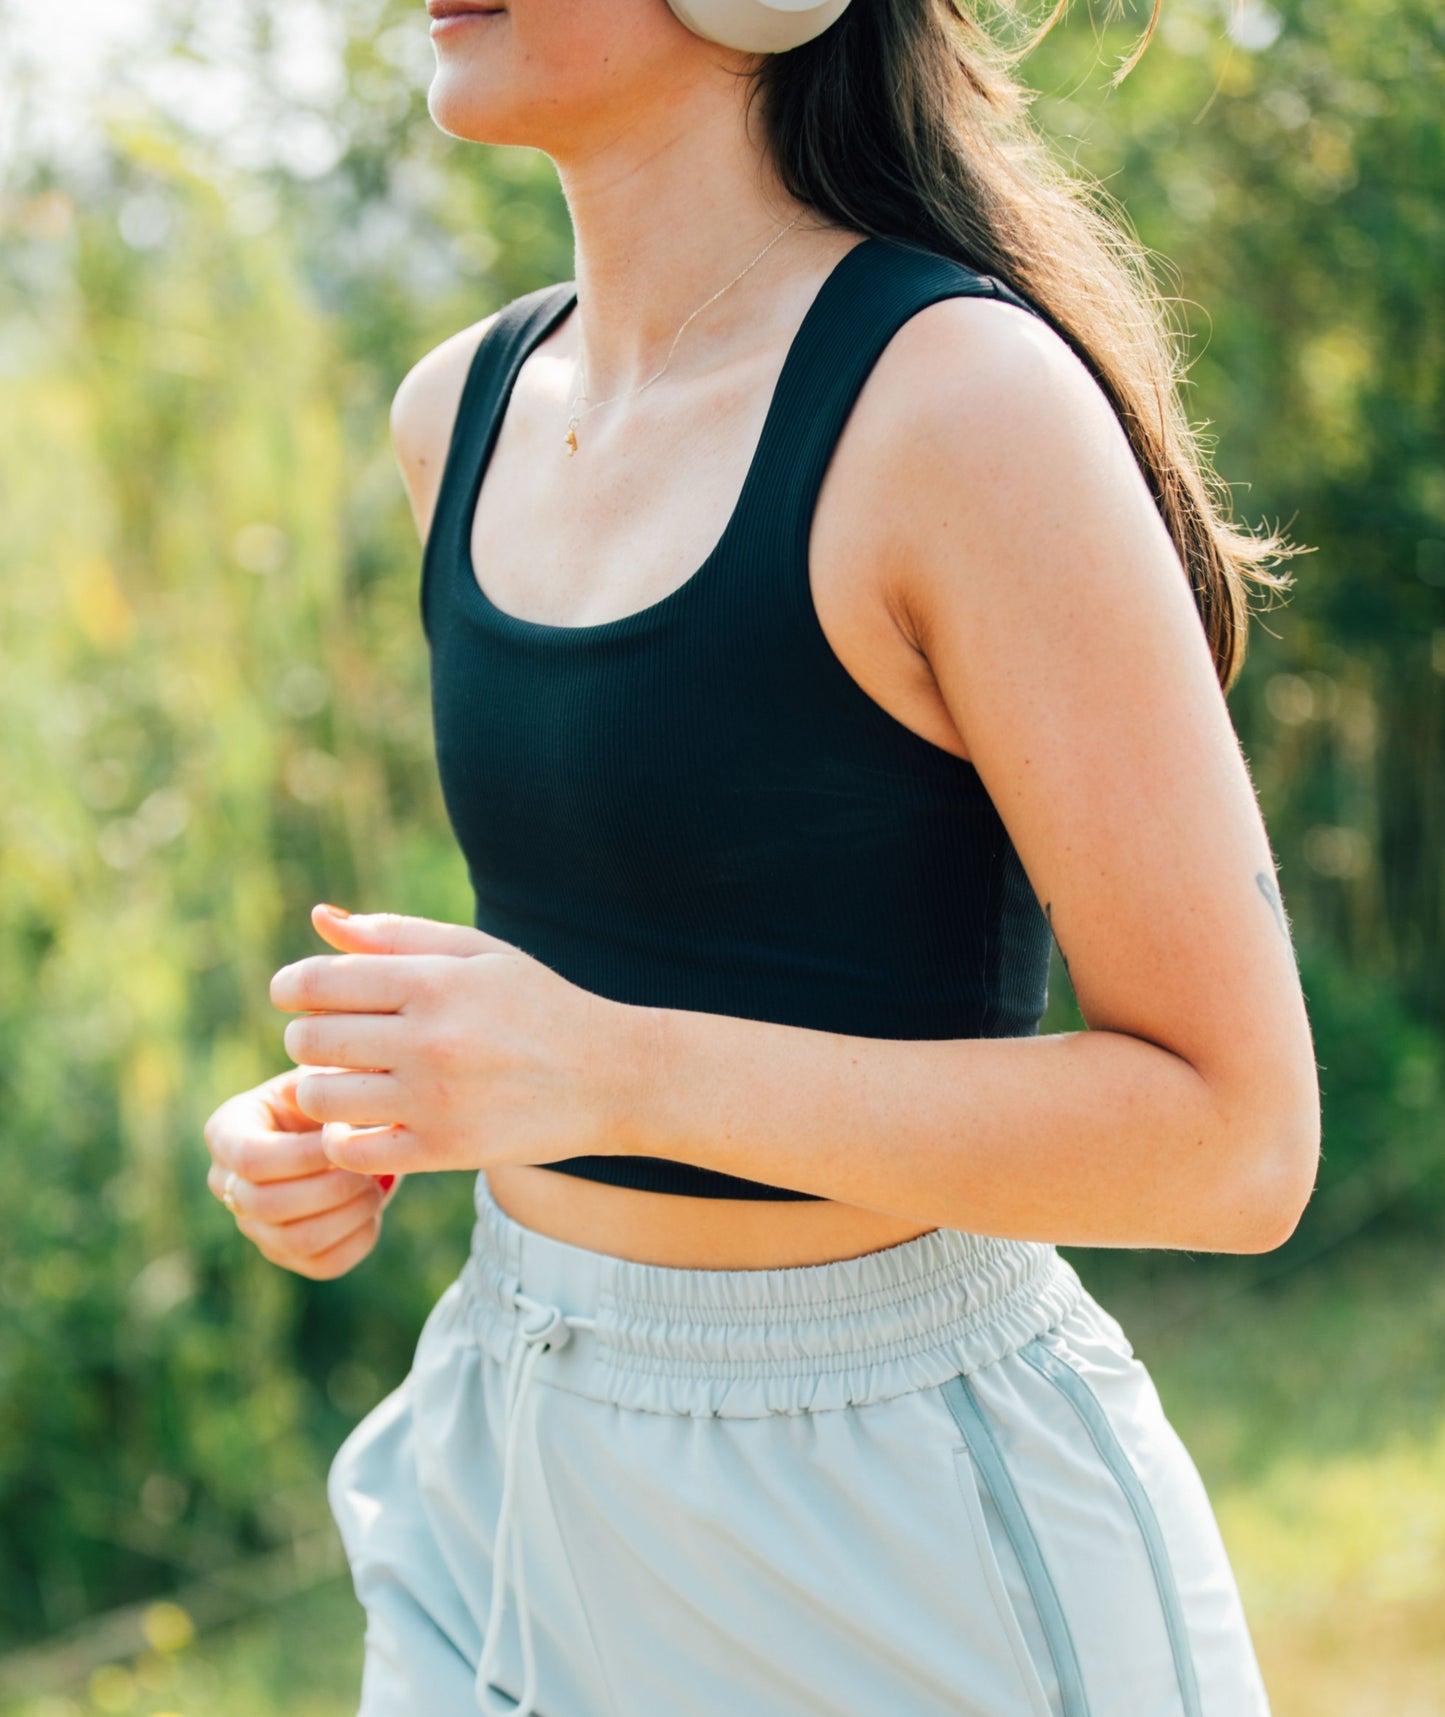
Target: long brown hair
point(905, 120)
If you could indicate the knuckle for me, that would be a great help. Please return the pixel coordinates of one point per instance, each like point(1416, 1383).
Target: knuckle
point(388, 927)
point(340, 1043)
point(423, 986)
point(336, 1185)
point(446, 1100)
point(451, 1052)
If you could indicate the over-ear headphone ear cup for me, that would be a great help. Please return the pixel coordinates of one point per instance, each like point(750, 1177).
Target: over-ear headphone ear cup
point(758, 26)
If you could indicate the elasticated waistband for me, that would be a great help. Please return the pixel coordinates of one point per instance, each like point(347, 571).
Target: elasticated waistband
point(745, 1343)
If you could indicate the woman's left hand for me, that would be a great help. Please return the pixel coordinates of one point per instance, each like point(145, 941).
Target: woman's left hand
point(461, 1051)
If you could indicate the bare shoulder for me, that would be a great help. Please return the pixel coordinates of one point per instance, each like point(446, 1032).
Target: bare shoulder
point(423, 412)
point(1015, 493)
point(984, 355)
point(981, 393)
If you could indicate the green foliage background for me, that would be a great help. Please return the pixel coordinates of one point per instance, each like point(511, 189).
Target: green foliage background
point(214, 711)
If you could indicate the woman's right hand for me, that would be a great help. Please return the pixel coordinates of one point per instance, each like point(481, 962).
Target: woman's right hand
point(287, 1198)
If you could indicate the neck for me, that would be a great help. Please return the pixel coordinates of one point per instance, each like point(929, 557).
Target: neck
point(663, 216)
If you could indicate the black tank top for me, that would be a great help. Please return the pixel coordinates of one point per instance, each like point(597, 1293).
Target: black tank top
point(696, 805)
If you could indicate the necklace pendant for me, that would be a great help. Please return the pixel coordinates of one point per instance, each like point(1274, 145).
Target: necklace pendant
point(571, 441)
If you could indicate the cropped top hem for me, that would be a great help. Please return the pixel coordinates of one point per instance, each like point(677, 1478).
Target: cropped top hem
point(661, 1174)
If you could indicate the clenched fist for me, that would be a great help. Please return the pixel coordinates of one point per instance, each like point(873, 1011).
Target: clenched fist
point(288, 1198)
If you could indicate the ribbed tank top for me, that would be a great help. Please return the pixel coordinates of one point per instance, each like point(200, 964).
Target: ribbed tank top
point(696, 806)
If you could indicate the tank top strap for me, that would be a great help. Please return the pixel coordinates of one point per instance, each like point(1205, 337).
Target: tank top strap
point(877, 287)
point(516, 328)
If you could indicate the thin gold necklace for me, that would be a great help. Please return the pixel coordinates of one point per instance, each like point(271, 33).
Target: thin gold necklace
point(577, 416)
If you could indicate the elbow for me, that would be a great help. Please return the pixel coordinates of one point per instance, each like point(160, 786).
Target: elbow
point(1279, 1183)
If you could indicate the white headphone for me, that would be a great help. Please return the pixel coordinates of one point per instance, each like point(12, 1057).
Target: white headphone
point(758, 26)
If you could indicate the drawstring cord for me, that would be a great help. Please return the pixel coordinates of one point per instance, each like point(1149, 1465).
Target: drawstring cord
point(554, 1331)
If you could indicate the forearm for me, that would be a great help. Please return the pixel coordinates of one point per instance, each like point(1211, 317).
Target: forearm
point(1090, 1138)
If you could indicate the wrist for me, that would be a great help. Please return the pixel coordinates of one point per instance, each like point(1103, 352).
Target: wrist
point(636, 1078)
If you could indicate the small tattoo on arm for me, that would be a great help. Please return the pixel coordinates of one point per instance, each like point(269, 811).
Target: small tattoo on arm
point(1049, 914)
point(1269, 888)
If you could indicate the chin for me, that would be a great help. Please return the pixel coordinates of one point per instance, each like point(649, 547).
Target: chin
point(478, 92)
point(544, 74)
point(463, 105)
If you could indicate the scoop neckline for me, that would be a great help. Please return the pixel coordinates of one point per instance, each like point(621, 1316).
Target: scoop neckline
point(624, 624)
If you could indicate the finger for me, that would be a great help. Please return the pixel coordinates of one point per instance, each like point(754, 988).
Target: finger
point(348, 1040)
point(351, 983)
point(287, 1201)
point(387, 1150)
point(312, 1234)
point(345, 1254)
point(276, 1102)
point(359, 1099)
point(270, 1105)
point(227, 1186)
point(267, 1107)
point(261, 1154)
point(397, 933)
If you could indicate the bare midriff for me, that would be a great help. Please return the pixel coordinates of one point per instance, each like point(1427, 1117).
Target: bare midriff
point(691, 1233)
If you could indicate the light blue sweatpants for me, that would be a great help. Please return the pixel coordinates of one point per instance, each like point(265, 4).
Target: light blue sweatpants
point(931, 1481)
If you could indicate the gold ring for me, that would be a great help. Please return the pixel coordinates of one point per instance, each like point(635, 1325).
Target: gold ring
point(227, 1190)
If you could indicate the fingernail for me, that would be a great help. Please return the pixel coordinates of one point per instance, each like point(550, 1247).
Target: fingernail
point(386, 1181)
point(335, 911)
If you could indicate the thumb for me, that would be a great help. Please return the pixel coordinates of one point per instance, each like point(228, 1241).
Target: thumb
point(396, 933)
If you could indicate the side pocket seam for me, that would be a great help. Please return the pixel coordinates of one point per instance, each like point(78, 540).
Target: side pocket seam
point(982, 1447)
point(1086, 1404)
point(987, 1556)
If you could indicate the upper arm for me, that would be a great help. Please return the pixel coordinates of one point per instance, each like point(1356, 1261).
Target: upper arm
point(1059, 624)
point(423, 412)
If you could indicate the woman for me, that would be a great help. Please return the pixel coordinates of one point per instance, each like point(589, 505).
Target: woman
point(846, 615)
